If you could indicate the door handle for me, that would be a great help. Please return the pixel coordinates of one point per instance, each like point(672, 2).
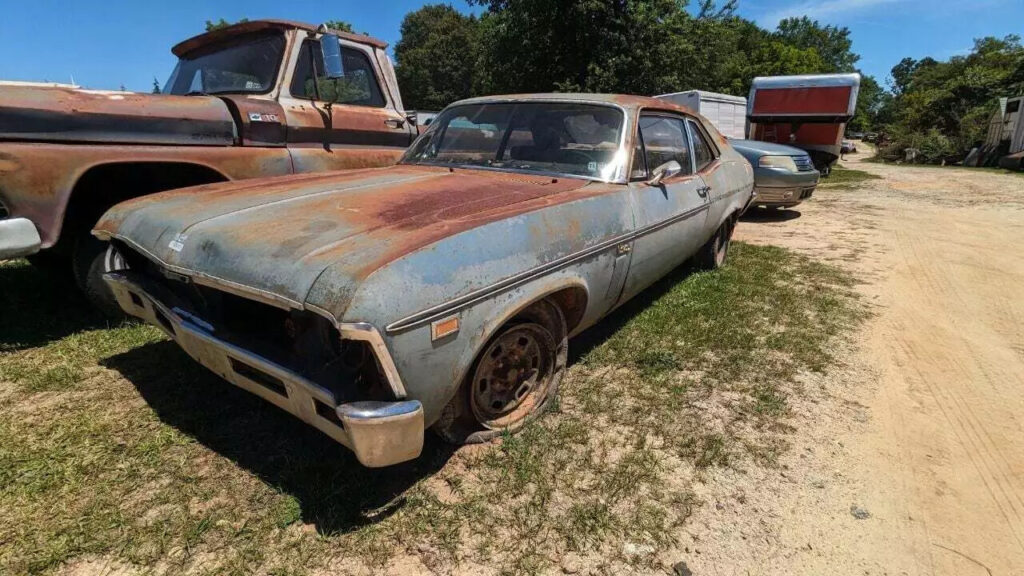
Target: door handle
point(703, 191)
point(394, 123)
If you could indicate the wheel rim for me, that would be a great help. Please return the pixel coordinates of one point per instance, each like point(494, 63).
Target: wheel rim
point(513, 376)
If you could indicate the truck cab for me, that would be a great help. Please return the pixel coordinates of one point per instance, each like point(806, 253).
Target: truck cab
point(249, 100)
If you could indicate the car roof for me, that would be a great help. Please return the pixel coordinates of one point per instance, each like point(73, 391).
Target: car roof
point(219, 34)
point(624, 100)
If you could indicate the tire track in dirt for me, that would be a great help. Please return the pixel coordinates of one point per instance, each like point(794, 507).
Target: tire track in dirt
point(940, 460)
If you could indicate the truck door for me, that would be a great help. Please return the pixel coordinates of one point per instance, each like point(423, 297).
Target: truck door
point(669, 217)
point(343, 123)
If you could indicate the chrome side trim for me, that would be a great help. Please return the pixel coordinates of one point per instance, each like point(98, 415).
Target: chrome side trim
point(446, 308)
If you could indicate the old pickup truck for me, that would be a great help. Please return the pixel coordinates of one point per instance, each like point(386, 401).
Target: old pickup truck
point(245, 101)
point(441, 291)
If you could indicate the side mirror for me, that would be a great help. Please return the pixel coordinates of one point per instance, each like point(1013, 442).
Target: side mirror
point(666, 170)
point(330, 47)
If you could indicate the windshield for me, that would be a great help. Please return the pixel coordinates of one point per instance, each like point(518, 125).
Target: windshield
point(245, 64)
point(562, 138)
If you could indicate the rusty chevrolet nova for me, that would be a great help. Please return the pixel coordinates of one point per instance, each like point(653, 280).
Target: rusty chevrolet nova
point(440, 292)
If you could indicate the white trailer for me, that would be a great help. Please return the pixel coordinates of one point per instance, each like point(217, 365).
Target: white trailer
point(727, 113)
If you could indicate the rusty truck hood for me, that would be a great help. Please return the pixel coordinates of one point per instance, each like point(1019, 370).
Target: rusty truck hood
point(65, 114)
point(275, 238)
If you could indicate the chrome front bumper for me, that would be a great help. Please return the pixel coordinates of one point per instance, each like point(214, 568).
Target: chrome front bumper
point(18, 237)
point(380, 433)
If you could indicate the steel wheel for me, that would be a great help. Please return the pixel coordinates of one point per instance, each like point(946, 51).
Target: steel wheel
point(513, 376)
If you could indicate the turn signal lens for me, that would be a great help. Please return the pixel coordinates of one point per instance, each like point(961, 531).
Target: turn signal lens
point(445, 327)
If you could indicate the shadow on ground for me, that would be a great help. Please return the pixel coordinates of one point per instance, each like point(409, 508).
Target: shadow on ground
point(38, 307)
point(770, 215)
point(334, 491)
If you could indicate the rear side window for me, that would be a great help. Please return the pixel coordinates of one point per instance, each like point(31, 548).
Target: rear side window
point(703, 153)
point(359, 87)
point(664, 139)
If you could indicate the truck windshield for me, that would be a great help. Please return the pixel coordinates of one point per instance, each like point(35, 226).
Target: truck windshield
point(559, 138)
point(246, 64)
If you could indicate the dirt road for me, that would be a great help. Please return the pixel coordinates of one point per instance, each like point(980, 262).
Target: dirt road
point(912, 460)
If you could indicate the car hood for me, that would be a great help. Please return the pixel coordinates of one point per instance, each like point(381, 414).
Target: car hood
point(63, 114)
point(276, 238)
point(757, 148)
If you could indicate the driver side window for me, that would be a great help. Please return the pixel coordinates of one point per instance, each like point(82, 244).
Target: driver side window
point(664, 139)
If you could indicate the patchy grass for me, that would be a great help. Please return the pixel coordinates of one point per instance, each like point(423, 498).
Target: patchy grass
point(115, 446)
point(841, 178)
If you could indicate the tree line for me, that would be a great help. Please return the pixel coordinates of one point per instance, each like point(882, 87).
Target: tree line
point(657, 46)
point(624, 46)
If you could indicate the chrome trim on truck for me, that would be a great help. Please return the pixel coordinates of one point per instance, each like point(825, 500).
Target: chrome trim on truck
point(379, 433)
point(18, 237)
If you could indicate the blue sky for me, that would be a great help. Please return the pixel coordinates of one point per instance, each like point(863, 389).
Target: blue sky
point(111, 43)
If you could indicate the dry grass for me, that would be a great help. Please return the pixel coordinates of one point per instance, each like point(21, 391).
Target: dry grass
point(115, 447)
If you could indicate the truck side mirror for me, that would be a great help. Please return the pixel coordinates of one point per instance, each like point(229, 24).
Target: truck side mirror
point(330, 47)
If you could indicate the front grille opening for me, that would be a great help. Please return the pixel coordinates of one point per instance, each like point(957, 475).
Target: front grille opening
point(268, 381)
point(301, 342)
point(327, 413)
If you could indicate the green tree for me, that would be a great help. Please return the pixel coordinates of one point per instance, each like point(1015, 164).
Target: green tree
point(436, 57)
point(221, 23)
point(832, 43)
point(156, 86)
point(339, 25)
point(951, 99)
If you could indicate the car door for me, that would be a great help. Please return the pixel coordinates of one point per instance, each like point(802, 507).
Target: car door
point(707, 162)
point(669, 217)
point(341, 123)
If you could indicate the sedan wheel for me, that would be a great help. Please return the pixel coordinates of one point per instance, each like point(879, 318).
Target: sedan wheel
point(513, 376)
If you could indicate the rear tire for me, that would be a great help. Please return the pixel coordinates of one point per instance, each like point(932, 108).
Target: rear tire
point(513, 379)
point(90, 261)
point(714, 253)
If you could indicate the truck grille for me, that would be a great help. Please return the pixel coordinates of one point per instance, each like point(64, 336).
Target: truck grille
point(803, 163)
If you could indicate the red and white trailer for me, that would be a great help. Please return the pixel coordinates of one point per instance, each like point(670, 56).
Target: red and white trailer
point(808, 112)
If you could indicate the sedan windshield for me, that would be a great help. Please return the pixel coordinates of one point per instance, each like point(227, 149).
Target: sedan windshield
point(560, 138)
point(247, 64)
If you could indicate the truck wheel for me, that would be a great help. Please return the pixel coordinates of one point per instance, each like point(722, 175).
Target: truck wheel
point(90, 261)
point(512, 380)
point(713, 254)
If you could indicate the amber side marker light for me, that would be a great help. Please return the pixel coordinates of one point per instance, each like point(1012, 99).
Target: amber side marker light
point(446, 327)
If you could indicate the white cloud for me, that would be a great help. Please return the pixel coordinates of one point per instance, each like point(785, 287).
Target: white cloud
point(826, 10)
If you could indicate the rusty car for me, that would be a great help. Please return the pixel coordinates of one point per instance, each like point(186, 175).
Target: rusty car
point(441, 292)
point(248, 100)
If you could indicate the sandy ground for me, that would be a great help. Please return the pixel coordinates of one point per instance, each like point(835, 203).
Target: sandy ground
point(908, 458)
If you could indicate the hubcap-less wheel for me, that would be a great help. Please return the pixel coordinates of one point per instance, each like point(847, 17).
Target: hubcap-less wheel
point(513, 376)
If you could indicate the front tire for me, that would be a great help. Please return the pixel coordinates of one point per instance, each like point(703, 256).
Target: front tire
point(90, 261)
point(512, 380)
